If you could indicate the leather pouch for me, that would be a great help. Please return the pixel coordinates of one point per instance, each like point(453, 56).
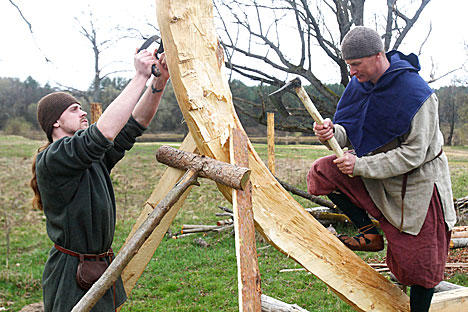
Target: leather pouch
point(88, 272)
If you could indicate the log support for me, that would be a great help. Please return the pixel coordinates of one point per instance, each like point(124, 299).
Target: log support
point(210, 168)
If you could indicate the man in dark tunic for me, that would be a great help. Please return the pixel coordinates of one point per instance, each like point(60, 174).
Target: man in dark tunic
point(388, 116)
point(72, 183)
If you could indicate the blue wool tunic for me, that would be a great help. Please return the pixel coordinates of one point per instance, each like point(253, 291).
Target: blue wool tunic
point(73, 176)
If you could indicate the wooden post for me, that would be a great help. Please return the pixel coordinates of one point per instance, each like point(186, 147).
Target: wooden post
point(248, 274)
point(271, 141)
point(96, 111)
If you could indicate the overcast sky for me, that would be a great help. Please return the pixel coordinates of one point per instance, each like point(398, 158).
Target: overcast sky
point(56, 36)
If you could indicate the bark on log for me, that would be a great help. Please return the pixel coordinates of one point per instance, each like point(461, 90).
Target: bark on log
point(218, 171)
point(114, 270)
point(248, 274)
point(195, 61)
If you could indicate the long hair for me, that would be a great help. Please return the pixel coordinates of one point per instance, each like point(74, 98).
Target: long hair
point(36, 201)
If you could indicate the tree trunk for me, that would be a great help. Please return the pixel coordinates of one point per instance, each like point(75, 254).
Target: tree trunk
point(195, 61)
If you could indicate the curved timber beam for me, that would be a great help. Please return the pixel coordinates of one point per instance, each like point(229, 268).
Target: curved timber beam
point(195, 60)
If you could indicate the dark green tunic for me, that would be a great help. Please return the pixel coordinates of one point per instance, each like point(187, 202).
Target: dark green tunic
point(79, 204)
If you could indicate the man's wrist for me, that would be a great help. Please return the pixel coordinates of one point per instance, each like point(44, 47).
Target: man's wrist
point(158, 84)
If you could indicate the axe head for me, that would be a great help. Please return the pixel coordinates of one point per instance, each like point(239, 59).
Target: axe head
point(276, 97)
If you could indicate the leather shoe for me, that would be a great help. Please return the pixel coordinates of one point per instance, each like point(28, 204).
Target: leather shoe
point(363, 242)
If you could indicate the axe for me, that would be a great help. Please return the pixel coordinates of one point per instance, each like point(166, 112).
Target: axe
point(295, 84)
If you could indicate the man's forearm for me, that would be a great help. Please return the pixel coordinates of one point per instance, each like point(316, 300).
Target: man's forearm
point(116, 115)
point(148, 105)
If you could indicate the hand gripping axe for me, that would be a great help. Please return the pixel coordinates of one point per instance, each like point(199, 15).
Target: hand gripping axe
point(295, 84)
point(160, 50)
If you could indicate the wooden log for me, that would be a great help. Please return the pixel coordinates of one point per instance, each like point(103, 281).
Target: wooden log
point(446, 286)
point(201, 229)
point(197, 226)
point(248, 274)
point(225, 222)
point(196, 64)
point(114, 270)
point(450, 301)
point(218, 171)
point(460, 232)
point(458, 242)
point(96, 111)
point(270, 304)
point(271, 141)
point(137, 265)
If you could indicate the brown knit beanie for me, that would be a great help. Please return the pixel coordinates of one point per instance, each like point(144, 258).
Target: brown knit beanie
point(361, 42)
point(50, 108)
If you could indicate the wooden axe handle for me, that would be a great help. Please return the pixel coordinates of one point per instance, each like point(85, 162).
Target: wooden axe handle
point(305, 99)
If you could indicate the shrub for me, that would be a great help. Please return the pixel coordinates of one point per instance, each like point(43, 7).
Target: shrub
point(17, 126)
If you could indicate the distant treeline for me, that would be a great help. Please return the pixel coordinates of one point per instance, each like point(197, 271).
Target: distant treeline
point(18, 103)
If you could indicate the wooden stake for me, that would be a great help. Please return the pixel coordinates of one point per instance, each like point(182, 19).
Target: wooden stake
point(271, 141)
point(96, 111)
point(248, 274)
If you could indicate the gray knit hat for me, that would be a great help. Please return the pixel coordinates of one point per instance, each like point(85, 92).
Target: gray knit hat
point(361, 42)
point(50, 108)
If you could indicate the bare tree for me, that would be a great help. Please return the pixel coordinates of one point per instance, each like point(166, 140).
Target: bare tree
point(269, 40)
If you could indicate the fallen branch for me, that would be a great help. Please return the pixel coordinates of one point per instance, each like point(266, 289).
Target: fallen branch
point(326, 214)
point(315, 199)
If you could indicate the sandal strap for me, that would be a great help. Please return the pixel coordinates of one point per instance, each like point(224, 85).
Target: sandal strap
point(366, 228)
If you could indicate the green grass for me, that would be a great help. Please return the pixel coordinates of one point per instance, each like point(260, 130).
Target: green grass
point(182, 276)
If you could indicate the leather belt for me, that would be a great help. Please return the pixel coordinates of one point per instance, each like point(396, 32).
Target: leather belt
point(109, 253)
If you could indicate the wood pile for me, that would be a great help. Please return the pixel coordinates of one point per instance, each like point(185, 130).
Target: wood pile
point(221, 226)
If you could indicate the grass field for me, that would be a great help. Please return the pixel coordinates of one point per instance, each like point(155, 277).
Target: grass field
point(182, 276)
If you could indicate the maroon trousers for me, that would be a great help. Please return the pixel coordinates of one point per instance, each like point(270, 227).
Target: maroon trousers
point(414, 260)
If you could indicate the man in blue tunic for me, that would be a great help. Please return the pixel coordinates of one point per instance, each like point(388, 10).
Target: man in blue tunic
point(388, 117)
point(71, 180)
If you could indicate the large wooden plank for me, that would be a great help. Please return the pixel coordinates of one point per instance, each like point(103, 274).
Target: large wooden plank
point(195, 61)
point(248, 274)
